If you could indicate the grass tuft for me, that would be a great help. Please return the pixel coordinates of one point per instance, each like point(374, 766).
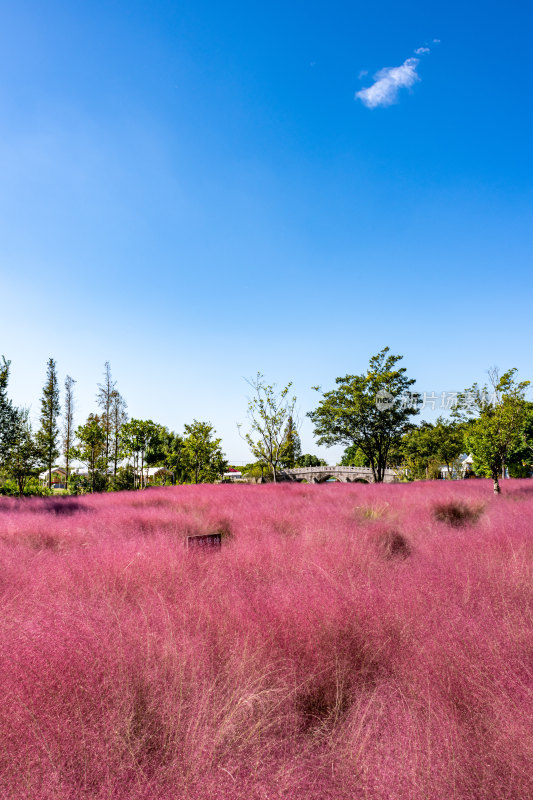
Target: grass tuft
point(457, 514)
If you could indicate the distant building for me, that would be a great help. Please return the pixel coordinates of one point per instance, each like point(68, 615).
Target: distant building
point(232, 475)
point(463, 470)
point(59, 476)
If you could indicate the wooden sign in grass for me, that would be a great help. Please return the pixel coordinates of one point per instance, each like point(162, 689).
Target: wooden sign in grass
point(208, 541)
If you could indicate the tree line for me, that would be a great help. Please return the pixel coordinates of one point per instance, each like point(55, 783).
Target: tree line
point(117, 451)
point(370, 414)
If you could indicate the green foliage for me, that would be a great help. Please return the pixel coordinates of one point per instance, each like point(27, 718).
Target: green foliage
point(202, 457)
point(137, 437)
point(32, 487)
point(48, 433)
point(166, 450)
point(23, 456)
point(497, 416)
point(353, 456)
point(80, 484)
point(104, 398)
point(8, 414)
point(90, 449)
point(308, 460)
point(258, 471)
point(123, 480)
point(292, 449)
point(118, 417)
point(426, 448)
point(520, 458)
point(371, 411)
point(268, 414)
point(68, 422)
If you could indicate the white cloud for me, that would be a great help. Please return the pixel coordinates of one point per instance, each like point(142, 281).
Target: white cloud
point(388, 81)
point(421, 50)
point(436, 41)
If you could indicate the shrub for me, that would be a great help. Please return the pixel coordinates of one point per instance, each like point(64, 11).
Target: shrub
point(457, 513)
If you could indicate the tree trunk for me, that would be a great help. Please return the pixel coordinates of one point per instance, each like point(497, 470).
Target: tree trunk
point(496, 482)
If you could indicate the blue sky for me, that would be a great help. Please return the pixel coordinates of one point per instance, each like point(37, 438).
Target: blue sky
point(194, 192)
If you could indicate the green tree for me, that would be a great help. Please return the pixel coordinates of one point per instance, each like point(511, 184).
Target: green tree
point(308, 460)
point(23, 454)
point(136, 438)
point(124, 479)
point(447, 441)
point(292, 448)
point(173, 456)
point(371, 411)
point(166, 450)
point(68, 422)
point(104, 398)
point(203, 459)
point(428, 447)
point(268, 414)
point(119, 416)
point(259, 471)
point(415, 451)
point(91, 450)
point(496, 414)
point(520, 460)
point(353, 456)
point(48, 433)
point(8, 413)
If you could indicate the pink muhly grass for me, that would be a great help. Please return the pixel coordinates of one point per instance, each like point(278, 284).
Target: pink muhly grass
point(345, 642)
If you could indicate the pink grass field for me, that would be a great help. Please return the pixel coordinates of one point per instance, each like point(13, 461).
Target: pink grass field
point(370, 642)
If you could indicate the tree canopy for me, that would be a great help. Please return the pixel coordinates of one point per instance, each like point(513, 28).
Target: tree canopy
point(48, 433)
point(370, 411)
point(269, 412)
point(203, 458)
point(496, 414)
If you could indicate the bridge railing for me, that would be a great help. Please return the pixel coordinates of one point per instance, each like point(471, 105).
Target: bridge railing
point(329, 470)
point(337, 468)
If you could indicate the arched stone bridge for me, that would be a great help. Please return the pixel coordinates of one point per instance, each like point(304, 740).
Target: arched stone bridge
point(341, 474)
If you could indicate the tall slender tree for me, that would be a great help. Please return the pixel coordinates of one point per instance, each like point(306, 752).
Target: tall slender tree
point(104, 398)
point(48, 433)
point(268, 413)
point(8, 413)
point(292, 449)
point(68, 422)
point(119, 416)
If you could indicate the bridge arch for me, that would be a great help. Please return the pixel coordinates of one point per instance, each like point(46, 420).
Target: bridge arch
point(329, 476)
